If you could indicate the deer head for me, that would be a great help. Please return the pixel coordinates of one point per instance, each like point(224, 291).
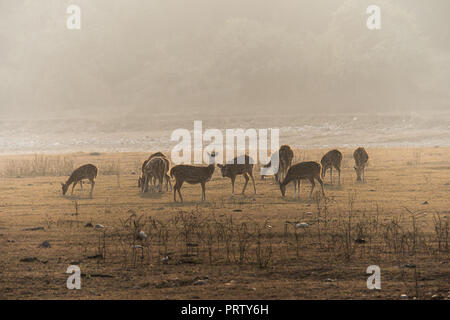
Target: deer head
point(64, 188)
point(223, 169)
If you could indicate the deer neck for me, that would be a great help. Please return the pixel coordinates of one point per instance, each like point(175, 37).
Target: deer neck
point(211, 168)
point(286, 180)
point(70, 180)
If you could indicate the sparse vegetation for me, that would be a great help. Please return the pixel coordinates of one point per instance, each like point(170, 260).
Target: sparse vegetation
point(282, 248)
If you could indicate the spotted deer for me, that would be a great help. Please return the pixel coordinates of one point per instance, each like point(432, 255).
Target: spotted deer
point(361, 157)
point(153, 179)
point(304, 170)
point(332, 159)
point(88, 171)
point(155, 168)
point(239, 165)
point(285, 156)
point(192, 175)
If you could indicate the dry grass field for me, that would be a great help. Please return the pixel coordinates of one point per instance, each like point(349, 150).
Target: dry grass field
point(241, 247)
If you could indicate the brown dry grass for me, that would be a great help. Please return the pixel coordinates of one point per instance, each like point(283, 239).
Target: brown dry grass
point(245, 247)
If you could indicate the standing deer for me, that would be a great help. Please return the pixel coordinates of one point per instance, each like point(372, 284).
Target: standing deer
point(285, 156)
point(304, 170)
point(153, 179)
point(239, 165)
point(192, 175)
point(332, 159)
point(88, 171)
point(361, 157)
point(155, 168)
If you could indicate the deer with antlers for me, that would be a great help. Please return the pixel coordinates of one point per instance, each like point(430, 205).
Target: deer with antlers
point(304, 170)
point(88, 171)
point(332, 159)
point(192, 175)
point(239, 165)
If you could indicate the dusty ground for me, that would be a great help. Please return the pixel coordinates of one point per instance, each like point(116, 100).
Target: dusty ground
point(401, 212)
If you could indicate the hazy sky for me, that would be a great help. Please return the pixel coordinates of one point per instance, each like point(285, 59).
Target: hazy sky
point(214, 55)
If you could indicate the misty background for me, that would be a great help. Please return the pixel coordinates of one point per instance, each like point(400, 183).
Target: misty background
point(153, 65)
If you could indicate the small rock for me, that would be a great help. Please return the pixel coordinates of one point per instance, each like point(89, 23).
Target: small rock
point(200, 282)
point(409, 265)
point(10, 241)
point(89, 225)
point(404, 296)
point(99, 226)
point(34, 229)
point(137, 246)
point(309, 213)
point(141, 236)
point(330, 280)
point(45, 244)
point(436, 297)
point(426, 202)
point(360, 240)
point(237, 210)
point(302, 225)
point(29, 259)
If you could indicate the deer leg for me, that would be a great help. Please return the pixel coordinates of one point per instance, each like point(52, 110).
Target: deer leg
point(170, 183)
point(232, 185)
point(73, 186)
point(298, 187)
point(92, 187)
point(203, 191)
point(253, 181)
point(321, 184)
point(246, 181)
point(331, 174)
point(175, 188)
point(339, 174)
point(295, 190)
point(313, 184)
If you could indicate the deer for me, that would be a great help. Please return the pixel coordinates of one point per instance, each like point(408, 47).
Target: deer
point(361, 157)
point(304, 170)
point(153, 179)
point(239, 165)
point(192, 175)
point(332, 159)
point(88, 171)
point(155, 168)
point(285, 156)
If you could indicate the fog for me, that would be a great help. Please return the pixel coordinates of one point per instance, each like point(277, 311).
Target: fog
point(234, 56)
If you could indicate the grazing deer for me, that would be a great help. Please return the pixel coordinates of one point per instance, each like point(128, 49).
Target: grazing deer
point(87, 171)
point(192, 175)
point(304, 170)
point(153, 179)
point(361, 157)
point(285, 156)
point(155, 168)
point(331, 159)
point(236, 167)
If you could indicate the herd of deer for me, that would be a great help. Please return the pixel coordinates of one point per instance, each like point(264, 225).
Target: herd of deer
point(156, 168)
